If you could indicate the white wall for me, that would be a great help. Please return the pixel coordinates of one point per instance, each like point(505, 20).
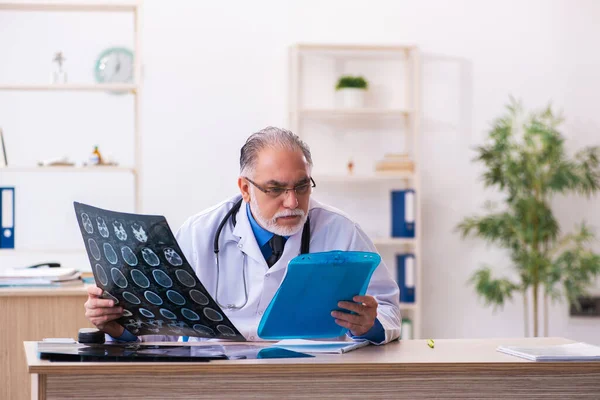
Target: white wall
point(217, 71)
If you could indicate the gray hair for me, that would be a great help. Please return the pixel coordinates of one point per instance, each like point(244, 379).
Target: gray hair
point(270, 137)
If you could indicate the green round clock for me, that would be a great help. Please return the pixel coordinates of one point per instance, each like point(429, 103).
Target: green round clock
point(114, 65)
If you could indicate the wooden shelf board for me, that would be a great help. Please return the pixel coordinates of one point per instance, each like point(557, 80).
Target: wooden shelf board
point(68, 7)
point(354, 112)
point(386, 177)
point(61, 169)
point(391, 241)
point(77, 87)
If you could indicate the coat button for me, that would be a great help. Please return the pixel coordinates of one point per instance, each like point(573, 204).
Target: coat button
point(267, 275)
point(240, 245)
point(260, 312)
point(251, 337)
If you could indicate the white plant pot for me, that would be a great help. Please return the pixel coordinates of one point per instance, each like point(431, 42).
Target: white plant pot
point(352, 97)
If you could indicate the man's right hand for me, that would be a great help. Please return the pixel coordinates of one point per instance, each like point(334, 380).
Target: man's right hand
point(103, 313)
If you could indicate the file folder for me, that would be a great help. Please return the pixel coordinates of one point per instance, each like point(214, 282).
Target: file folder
point(403, 213)
point(7, 217)
point(406, 277)
point(312, 287)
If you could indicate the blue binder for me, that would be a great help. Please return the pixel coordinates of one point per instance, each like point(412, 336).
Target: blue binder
point(403, 213)
point(406, 277)
point(312, 287)
point(7, 217)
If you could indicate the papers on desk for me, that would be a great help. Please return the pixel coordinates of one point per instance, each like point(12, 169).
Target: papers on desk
point(40, 277)
point(564, 352)
point(323, 347)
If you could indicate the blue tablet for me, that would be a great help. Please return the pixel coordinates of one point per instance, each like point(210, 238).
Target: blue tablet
point(311, 290)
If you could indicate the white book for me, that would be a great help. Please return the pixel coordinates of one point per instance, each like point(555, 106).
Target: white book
point(563, 352)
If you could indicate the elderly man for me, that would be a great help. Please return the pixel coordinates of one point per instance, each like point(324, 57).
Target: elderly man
point(259, 232)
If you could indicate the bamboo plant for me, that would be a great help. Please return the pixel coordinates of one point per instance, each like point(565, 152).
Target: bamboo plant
point(526, 161)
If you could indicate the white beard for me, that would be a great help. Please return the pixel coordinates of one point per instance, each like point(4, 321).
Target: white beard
point(271, 224)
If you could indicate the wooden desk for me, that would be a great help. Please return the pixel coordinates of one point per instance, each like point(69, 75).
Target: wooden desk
point(458, 369)
point(34, 314)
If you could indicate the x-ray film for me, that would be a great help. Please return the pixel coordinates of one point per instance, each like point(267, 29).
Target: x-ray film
point(138, 263)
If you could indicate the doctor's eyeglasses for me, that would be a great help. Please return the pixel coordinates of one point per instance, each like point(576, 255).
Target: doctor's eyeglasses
point(276, 191)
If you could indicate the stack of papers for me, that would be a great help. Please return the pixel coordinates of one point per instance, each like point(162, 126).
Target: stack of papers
point(40, 277)
point(323, 347)
point(564, 352)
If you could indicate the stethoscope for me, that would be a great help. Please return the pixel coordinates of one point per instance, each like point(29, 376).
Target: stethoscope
point(304, 249)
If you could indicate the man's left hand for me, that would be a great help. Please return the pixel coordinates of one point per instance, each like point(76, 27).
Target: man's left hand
point(360, 323)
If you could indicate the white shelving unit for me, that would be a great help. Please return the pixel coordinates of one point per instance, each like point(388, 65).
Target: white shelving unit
point(134, 89)
point(403, 115)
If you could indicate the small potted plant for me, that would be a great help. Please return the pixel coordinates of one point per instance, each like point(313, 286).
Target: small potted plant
point(352, 90)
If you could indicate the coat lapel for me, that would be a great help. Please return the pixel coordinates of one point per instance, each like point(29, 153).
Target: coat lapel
point(247, 242)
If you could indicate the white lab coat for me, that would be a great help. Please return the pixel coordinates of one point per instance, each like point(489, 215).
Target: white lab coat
point(330, 230)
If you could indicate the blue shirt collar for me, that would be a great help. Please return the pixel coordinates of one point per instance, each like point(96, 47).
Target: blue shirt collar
point(261, 234)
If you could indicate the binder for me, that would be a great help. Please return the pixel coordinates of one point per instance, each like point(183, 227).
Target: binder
point(405, 264)
point(403, 213)
point(312, 287)
point(406, 329)
point(7, 217)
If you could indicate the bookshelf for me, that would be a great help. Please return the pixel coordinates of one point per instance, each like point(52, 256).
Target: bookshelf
point(388, 122)
point(55, 178)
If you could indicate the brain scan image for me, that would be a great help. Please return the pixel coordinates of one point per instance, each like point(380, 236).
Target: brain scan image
point(102, 228)
point(146, 313)
point(118, 278)
point(101, 273)
point(110, 254)
point(189, 314)
point(94, 250)
point(199, 297)
point(162, 278)
point(87, 223)
point(225, 330)
point(132, 298)
point(203, 329)
point(107, 295)
point(175, 297)
point(172, 257)
point(185, 278)
point(159, 234)
point(128, 256)
point(150, 257)
point(153, 298)
point(167, 314)
point(120, 231)
point(138, 263)
point(212, 314)
point(139, 278)
point(139, 233)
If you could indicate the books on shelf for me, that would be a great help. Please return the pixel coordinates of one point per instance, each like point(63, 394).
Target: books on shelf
point(564, 352)
point(395, 163)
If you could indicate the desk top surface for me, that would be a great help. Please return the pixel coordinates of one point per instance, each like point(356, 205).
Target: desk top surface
point(43, 291)
point(407, 355)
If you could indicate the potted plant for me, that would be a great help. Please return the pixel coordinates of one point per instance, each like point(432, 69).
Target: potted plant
point(352, 90)
point(526, 161)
